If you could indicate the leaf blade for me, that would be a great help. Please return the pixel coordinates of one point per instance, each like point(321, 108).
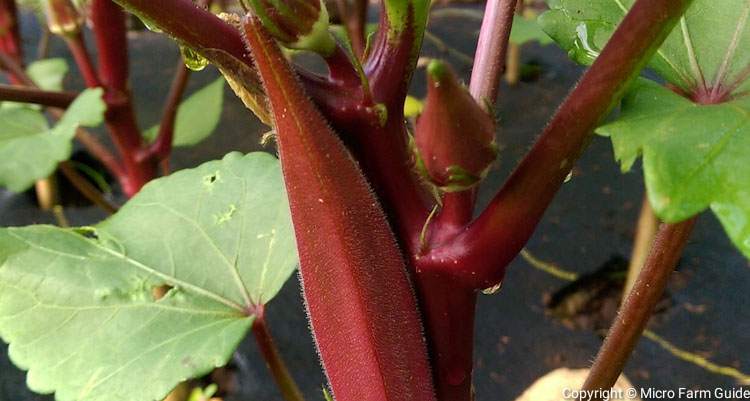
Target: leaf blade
point(30, 150)
point(693, 155)
point(78, 306)
point(197, 116)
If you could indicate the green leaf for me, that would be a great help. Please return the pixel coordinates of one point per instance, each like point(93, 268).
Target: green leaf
point(695, 147)
point(78, 306)
point(197, 117)
point(710, 44)
point(30, 150)
point(694, 156)
point(49, 73)
point(528, 30)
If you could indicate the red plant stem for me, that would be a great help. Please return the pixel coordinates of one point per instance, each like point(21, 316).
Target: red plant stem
point(215, 39)
point(192, 25)
point(391, 63)
point(384, 156)
point(162, 146)
point(77, 48)
point(284, 380)
point(489, 61)
point(10, 38)
point(457, 211)
point(383, 151)
point(448, 312)
point(478, 255)
point(14, 93)
point(112, 45)
point(638, 306)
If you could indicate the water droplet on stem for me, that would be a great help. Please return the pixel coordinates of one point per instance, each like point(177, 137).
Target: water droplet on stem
point(192, 59)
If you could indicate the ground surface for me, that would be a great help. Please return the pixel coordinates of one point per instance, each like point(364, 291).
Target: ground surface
point(517, 340)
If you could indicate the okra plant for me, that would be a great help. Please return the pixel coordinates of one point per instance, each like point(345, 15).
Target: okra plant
point(379, 215)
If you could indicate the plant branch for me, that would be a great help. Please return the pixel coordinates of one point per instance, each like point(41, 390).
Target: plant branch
point(284, 380)
point(455, 213)
point(637, 308)
point(489, 60)
point(85, 187)
point(110, 34)
point(383, 150)
point(192, 26)
point(478, 255)
point(77, 48)
point(162, 146)
point(391, 63)
point(23, 94)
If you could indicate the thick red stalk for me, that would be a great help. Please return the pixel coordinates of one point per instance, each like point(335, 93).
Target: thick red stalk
point(112, 44)
point(479, 254)
point(489, 61)
point(455, 213)
point(639, 305)
point(15, 93)
point(383, 151)
point(111, 40)
point(448, 312)
point(391, 63)
point(361, 306)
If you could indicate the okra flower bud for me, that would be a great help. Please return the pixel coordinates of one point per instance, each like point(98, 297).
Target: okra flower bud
point(62, 17)
point(455, 138)
point(297, 24)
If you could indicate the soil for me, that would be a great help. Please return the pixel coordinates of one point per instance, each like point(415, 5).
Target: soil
point(518, 338)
